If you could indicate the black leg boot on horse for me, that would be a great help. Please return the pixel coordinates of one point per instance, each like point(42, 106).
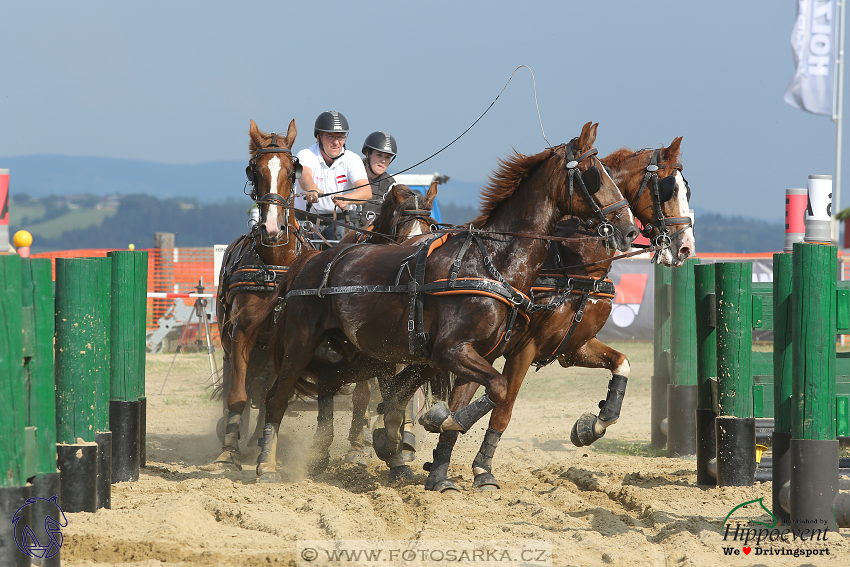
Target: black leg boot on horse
point(588, 428)
point(440, 418)
point(438, 469)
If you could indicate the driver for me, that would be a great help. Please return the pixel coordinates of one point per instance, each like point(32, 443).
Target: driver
point(330, 168)
point(379, 149)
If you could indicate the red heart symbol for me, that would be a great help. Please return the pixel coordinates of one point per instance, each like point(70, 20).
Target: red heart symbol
point(747, 550)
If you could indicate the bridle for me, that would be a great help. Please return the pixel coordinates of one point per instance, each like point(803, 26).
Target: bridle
point(271, 199)
point(591, 177)
point(407, 216)
point(662, 191)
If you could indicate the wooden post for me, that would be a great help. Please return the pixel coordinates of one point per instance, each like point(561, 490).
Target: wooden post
point(682, 392)
point(813, 447)
point(163, 242)
point(129, 298)
point(706, 368)
point(82, 347)
point(782, 377)
point(661, 359)
point(735, 425)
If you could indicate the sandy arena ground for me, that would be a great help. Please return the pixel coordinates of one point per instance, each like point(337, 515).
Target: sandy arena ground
point(615, 503)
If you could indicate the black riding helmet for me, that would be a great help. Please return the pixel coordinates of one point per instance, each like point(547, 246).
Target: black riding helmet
point(330, 121)
point(382, 142)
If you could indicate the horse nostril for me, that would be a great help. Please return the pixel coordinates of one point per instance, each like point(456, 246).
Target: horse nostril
point(684, 252)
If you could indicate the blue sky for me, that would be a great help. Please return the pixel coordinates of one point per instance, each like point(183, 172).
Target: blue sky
point(178, 83)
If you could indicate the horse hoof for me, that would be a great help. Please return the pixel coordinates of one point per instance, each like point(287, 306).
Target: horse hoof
point(318, 464)
point(433, 419)
point(270, 477)
point(356, 456)
point(227, 461)
point(484, 482)
point(583, 433)
point(443, 487)
point(384, 448)
point(400, 473)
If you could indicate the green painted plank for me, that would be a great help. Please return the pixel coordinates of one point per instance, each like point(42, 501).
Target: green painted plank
point(813, 338)
point(733, 287)
point(683, 329)
point(783, 369)
point(12, 395)
point(39, 307)
point(706, 337)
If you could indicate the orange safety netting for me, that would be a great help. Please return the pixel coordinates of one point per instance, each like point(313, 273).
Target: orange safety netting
point(170, 270)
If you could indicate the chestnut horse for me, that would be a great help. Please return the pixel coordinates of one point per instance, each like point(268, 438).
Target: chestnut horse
point(658, 195)
point(437, 306)
point(405, 213)
point(251, 267)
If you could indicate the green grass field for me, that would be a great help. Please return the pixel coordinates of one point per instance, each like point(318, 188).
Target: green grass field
point(72, 220)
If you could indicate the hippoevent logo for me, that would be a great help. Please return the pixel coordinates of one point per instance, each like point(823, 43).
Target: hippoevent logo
point(765, 538)
point(25, 537)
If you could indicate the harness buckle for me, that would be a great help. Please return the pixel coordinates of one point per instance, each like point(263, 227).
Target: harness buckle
point(410, 325)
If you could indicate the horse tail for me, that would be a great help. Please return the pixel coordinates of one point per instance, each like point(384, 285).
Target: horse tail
point(439, 387)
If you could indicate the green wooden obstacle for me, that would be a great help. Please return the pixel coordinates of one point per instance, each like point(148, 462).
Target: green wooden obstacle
point(706, 369)
point(83, 311)
point(682, 392)
point(12, 391)
point(129, 307)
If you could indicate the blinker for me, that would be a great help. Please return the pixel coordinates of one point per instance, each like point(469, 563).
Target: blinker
point(666, 188)
point(592, 180)
point(249, 172)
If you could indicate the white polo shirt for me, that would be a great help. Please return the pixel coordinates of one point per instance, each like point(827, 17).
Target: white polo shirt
point(342, 175)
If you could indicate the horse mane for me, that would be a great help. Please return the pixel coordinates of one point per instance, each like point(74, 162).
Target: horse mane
point(505, 179)
point(615, 159)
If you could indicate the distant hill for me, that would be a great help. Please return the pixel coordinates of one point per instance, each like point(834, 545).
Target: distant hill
point(204, 204)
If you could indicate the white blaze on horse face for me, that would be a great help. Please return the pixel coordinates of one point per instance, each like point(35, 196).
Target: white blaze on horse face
point(417, 230)
point(685, 239)
point(272, 225)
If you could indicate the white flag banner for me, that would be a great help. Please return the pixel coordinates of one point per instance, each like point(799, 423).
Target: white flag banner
point(814, 40)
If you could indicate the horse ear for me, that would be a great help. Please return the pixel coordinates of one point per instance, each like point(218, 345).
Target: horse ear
point(290, 134)
point(256, 137)
point(585, 134)
point(431, 194)
point(673, 150)
point(398, 199)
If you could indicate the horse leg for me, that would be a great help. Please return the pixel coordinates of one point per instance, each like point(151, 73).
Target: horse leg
point(468, 364)
point(293, 363)
point(320, 453)
point(395, 444)
point(232, 418)
point(594, 354)
point(516, 367)
point(359, 423)
point(330, 379)
point(438, 469)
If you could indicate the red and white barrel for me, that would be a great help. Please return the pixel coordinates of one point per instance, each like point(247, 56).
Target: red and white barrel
point(795, 217)
point(819, 213)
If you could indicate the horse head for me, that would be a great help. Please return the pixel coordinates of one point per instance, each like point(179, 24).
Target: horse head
point(405, 213)
point(590, 193)
point(658, 194)
point(272, 170)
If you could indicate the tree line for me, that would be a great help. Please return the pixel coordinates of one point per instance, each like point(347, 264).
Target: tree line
point(199, 224)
